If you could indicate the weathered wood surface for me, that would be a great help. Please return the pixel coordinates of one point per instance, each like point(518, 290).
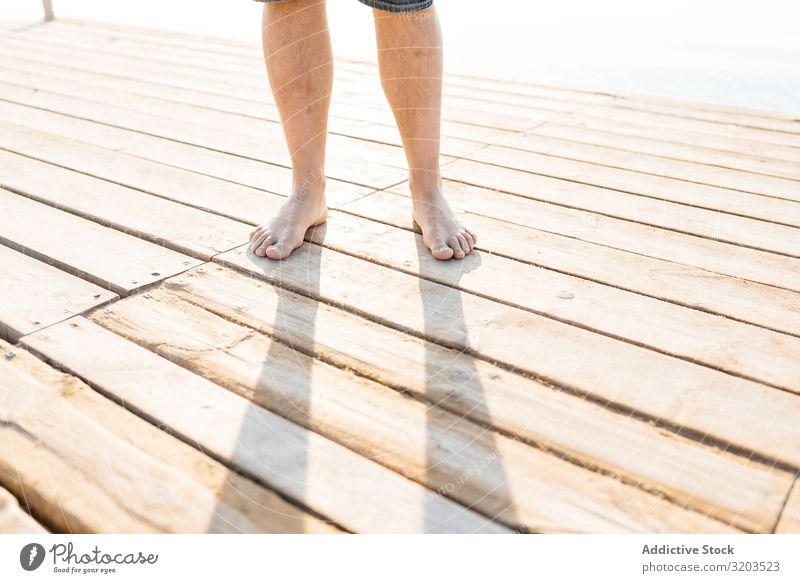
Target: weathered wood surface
point(514, 484)
point(694, 220)
point(472, 388)
point(503, 334)
point(618, 355)
point(186, 230)
point(790, 520)
point(354, 491)
point(13, 520)
point(238, 504)
point(573, 224)
point(674, 281)
point(102, 255)
point(80, 475)
point(34, 295)
point(680, 331)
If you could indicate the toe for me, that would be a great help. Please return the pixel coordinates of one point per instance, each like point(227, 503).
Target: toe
point(257, 240)
point(441, 251)
point(462, 240)
point(458, 252)
point(474, 237)
point(254, 233)
point(264, 244)
point(280, 250)
point(470, 240)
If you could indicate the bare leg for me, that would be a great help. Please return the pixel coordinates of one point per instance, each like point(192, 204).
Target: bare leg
point(410, 58)
point(297, 51)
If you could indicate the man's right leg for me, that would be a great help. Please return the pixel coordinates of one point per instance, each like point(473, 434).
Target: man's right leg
point(297, 51)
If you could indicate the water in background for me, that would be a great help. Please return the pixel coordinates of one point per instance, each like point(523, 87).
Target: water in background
point(738, 52)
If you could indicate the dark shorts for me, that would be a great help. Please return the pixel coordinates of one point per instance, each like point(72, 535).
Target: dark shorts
point(388, 5)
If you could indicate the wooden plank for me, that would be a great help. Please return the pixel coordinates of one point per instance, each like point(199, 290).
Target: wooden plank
point(708, 254)
point(13, 520)
point(34, 295)
point(766, 122)
point(79, 477)
point(101, 255)
point(619, 373)
point(17, 47)
point(708, 127)
point(758, 354)
point(267, 133)
point(337, 483)
point(764, 306)
point(234, 169)
point(660, 188)
point(767, 307)
point(251, 63)
point(224, 56)
point(724, 181)
point(683, 136)
point(264, 511)
point(714, 256)
point(367, 167)
point(657, 146)
point(684, 471)
point(702, 107)
point(454, 108)
point(182, 228)
point(135, 47)
point(346, 119)
point(343, 114)
point(97, 169)
point(515, 484)
point(711, 255)
point(13, 25)
point(374, 123)
point(682, 332)
point(216, 45)
point(213, 45)
point(701, 222)
point(458, 105)
point(790, 519)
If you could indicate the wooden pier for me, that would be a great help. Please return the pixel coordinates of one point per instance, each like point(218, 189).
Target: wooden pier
point(622, 354)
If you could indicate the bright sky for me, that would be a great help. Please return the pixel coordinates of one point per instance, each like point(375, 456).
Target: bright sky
point(743, 52)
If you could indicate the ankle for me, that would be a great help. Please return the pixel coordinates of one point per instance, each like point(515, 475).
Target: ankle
point(309, 184)
point(425, 185)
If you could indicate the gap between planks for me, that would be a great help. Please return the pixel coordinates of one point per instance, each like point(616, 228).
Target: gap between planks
point(129, 141)
point(730, 218)
point(366, 227)
point(779, 247)
point(511, 140)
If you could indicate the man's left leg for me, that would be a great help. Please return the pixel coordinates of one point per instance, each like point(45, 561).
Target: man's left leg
point(410, 59)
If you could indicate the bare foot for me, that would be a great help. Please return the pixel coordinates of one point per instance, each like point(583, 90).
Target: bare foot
point(285, 232)
point(441, 232)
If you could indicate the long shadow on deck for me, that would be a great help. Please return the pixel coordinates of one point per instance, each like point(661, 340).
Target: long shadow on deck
point(283, 361)
point(448, 374)
point(443, 312)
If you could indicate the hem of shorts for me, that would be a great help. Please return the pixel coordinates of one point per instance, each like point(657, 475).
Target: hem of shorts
point(416, 7)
